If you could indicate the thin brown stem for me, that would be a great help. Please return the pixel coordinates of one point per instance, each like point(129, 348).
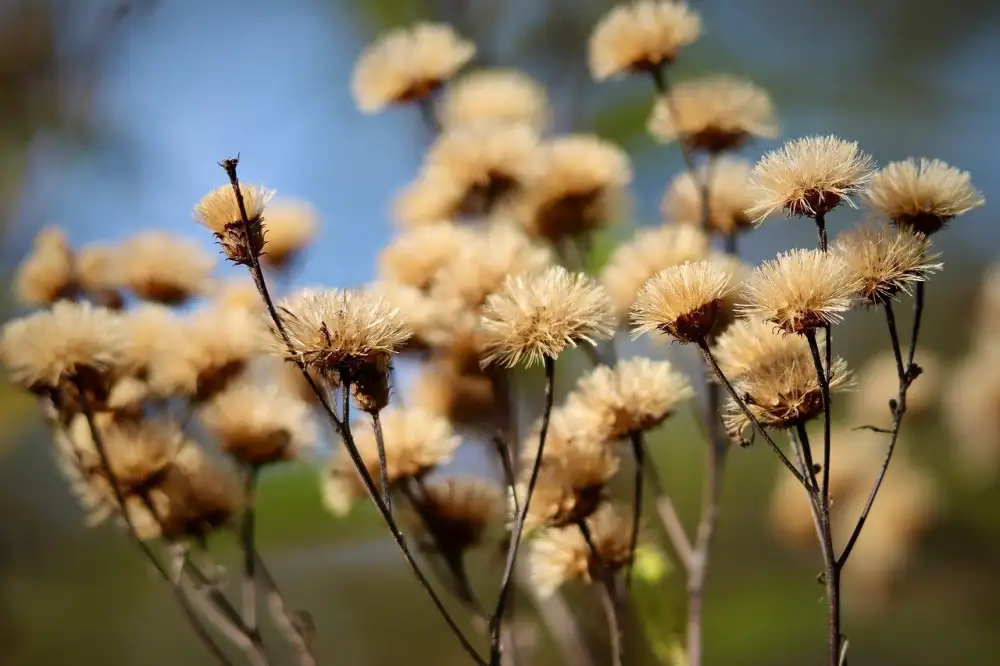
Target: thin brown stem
point(518, 528)
point(247, 538)
point(804, 465)
point(824, 386)
point(821, 231)
point(289, 624)
point(665, 508)
point(608, 596)
point(639, 457)
point(918, 312)
point(383, 466)
point(662, 84)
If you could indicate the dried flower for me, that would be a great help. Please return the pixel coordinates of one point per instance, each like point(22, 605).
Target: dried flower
point(427, 200)
point(72, 341)
point(414, 256)
point(220, 211)
point(750, 344)
point(632, 263)
point(572, 427)
point(289, 227)
point(563, 554)
point(139, 453)
point(537, 316)
point(259, 424)
point(495, 95)
point(429, 319)
point(879, 383)
point(147, 328)
point(198, 496)
point(713, 114)
point(408, 64)
point(684, 301)
point(800, 290)
point(809, 176)
point(922, 195)
point(580, 184)
point(47, 274)
point(885, 261)
point(464, 399)
point(634, 396)
point(641, 37)
point(728, 199)
point(163, 268)
point(236, 294)
point(416, 442)
point(99, 273)
point(457, 511)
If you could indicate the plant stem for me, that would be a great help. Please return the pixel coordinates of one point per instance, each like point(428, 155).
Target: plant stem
point(383, 466)
point(918, 312)
point(247, 537)
point(518, 528)
point(662, 84)
point(638, 454)
point(821, 231)
point(286, 621)
point(607, 595)
point(668, 513)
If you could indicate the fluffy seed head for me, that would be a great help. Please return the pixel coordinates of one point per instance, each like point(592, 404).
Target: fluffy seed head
point(427, 200)
point(149, 328)
point(219, 211)
point(750, 344)
point(99, 273)
point(464, 399)
point(729, 197)
point(922, 194)
point(47, 274)
point(163, 268)
point(259, 424)
point(408, 64)
point(429, 319)
point(496, 96)
point(581, 181)
point(970, 409)
point(139, 453)
point(561, 555)
point(809, 176)
point(634, 396)
point(288, 229)
point(414, 256)
point(534, 317)
point(886, 261)
point(457, 511)
point(632, 263)
point(800, 290)
point(199, 495)
point(684, 301)
point(71, 341)
point(640, 37)
point(713, 114)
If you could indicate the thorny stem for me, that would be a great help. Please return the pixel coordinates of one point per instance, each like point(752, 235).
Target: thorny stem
point(383, 466)
point(746, 412)
point(247, 537)
point(518, 528)
point(608, 596)
point(343, 429)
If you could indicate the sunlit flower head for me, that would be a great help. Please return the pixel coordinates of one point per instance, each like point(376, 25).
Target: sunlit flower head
point(236, 294)
point(809, 177)
point(219, 210)
point(149, 328)
point(47, 273)
point(885, 260)
point(729, 197)
point(800, 290)
point(456, 512)
point(922, 194)
point(496, 96)
point(429, 199)
point(650, 251)
point(752, 343)
point(139, 452)
point(99, 273)
point(641, 37)
point(428, 319)
point(289, 227)
point(414, 256)
point(462, 398)
point(713, 114)
point(163, 268)
point(684, 301)
point(408, 64)
point(534, 317)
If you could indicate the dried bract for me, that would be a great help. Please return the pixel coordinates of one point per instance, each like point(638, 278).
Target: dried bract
point(47, 274)
point(219, 210)
point(641, 37)
point(729, 197)
point(495, 96)
point(886, 261)
point(683, 301)
point(922, 194)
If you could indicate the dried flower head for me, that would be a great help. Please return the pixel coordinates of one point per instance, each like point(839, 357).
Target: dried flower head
point(288, 229)
point(752, 343)
point(729, 197)
point(456, 512)
point(198, 496)
point(99, 273)
point(561, 555)
point(634, 262)
point(480, 266)
point(684, 301)
point(496, 96)
point(809, 176)
point(414, 256)
point(408, 64)
point(139, 453)
point(219, 210)
point(163, 268)
point(416, 442)
point(259, 424)
point(462, 398)
point(537, 316)
point(488, 162)
point(634, 396)
point(72, 341)
point(149, 328)
point(800, 290)
point(885, 260)
point(580, 184)
point(641, 37)
point(47, 274)
point(236, 294)
point(571, 428)
point(429, 199)
point(346, 336)
point(878, 383)
point(922, 194)
point(713, 114)
point(429, 319)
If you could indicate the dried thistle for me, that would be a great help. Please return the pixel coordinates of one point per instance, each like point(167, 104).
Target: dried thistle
point(407, 65)
point(495, 96)
point(641, 37)
point(99, 273)
point(147, 329)
point(537, 316)
point(289, 228)
point(219, 211)
point(809, 177)
point(729, 197)
point(886, 261)
point(713, 114)
point(47, 274)
point(457, 512)
point(163, 268)
point(752, 343)
point(414, 256)
point(429, 319)
point(922, 194)
point(462, 398)
point(429, 199)
point(683, 301)
point(800, 290)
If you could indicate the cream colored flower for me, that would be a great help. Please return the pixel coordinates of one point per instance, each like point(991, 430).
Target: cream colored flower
point(729, 197)
point(634, 262)
point(809, 176)
point(219, 210)
point(413, 257)
point(684, 301)
point(429, 199)
point(535, 317)
point(641, 36)
point(497, 96)
point(408, 64)
point(163, 268)
point(751, 344)
point(886, 261)
point(713, 114)
point(464, 399)
point(430, 320)
point(47, 273)
point(970, 404)
point(456, 512)
point(99, 273)
point(289, 228)
point(149, 329)
point(922, 194)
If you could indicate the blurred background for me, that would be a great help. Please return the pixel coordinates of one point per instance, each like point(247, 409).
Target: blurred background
point(113, 117)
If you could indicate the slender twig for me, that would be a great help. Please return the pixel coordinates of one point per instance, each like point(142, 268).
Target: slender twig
point(918, 311)
point(507, 464)
point(746, 412)
point(608, 596)
point(383, 466)
point(518, 528)
point(823, 376)
point(287, 622)
point(247, 538)
point(555, 613)
point(639, 457)
point(804, 465)
point(668, 514)
point(662, 84)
